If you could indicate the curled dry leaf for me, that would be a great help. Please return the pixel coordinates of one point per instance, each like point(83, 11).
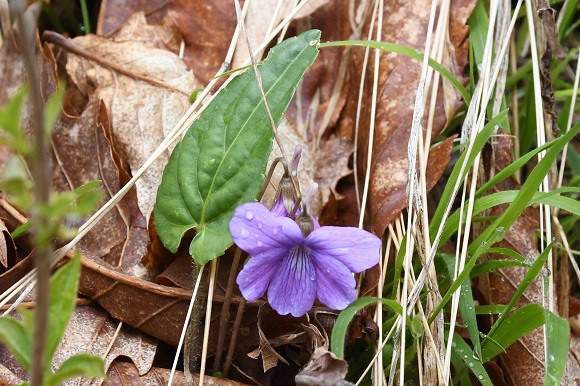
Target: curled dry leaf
point(93, 331)
point(281, 331)
point(7, 249)
point(141, 113)
point(324, 369)
point(523, 361)
point(397, 84)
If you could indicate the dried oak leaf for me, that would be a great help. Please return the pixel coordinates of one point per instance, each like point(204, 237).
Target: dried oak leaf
point(141, 113)
point(93, 331)
point(404, 24)
point(523, 361)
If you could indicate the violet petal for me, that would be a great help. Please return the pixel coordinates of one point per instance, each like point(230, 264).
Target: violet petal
point(256, 275)
point(256, 230)
point(353, 247)
point(335, 282)
point(293, 286)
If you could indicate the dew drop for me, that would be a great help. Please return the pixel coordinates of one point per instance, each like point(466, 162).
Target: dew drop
point(480, 376)
point(245, 233)
point(260, 244)
point(275, 231)
point(313, 42)
point(471, 364)
point(327, 270)
point(211, 162)
point(259, 225)
point(312, 278)
point(249, 215)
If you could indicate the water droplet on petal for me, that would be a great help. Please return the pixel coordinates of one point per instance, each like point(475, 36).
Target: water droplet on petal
point(259, 225)
point(275, 231)
point(245, 233)
point(249, 215)
point(260, 244)
point(312, 278)
point(328, 270)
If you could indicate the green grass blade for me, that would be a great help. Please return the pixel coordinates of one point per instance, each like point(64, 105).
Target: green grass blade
point(345, 317)
point(404, 50)
point(513, 327)
point(558, 332)
point(472, 362)
point(530, 276)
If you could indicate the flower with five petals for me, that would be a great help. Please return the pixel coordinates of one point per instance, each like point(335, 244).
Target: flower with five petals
point(295, 269)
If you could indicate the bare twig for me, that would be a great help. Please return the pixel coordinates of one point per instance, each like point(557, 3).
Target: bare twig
point(67, 44)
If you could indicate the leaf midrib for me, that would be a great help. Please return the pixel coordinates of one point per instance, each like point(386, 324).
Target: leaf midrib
point(210, 191)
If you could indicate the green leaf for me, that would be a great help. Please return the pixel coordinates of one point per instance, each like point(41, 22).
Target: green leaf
point(407, 51)
point(497, 331)
point(461, 167)
point(80, 365)
point(558, 332)
point(62, 298)
point(474, 364)
point(526, 193)
point(52, 108)
point(516, 325)
point(345, 317)
point(221, 160)
point(466, 306)
point(14, 335)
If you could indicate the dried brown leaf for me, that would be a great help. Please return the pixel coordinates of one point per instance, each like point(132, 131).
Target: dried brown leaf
point(83, 151)
point(404, 24)
point(7, 249)
point(207, 28)
point(324, 369)
point(93, 331)
point(123, 373)
point(114, 13)
point(7, 377)
point(141, 114)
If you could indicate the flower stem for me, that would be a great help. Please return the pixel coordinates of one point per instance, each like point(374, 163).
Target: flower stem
point(40, 174)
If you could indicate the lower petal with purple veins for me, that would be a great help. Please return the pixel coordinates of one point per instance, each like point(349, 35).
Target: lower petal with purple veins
point(257, 274)
point(335, 282)
point(293, 287)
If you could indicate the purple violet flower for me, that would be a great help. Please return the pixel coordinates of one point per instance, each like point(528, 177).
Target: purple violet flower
point(295, 269)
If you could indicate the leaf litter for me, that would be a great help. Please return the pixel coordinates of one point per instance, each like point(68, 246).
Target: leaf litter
point(123, 118)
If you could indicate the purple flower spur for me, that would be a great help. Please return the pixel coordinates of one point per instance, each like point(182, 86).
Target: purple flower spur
point(295, 269)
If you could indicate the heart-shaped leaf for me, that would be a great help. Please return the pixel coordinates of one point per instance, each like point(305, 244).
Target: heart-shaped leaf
point(220, 162)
